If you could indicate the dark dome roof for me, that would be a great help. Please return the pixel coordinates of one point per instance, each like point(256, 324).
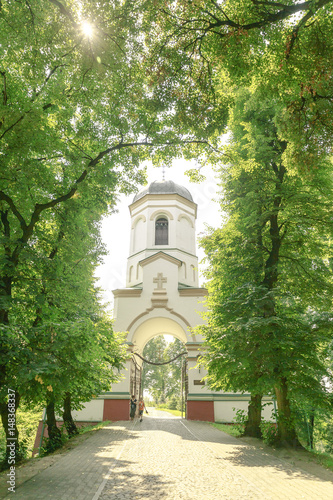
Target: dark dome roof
point(164, 187)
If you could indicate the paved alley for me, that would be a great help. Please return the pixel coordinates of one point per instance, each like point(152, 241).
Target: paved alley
point(165, 457)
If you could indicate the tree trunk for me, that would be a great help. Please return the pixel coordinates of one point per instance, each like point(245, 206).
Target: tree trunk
point(55, 439)
point(311, 428)
point(67, 416)
point(252, 425)
point(286, 426)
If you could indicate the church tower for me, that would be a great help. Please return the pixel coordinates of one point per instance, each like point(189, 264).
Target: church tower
point(162, 297)
point(163, 220)
point(162, 294)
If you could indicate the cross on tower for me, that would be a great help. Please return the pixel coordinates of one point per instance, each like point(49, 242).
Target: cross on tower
point(160, 280)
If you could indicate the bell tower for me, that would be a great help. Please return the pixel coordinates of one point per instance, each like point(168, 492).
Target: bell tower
point(162, 297)
point(162, 294)
point(163, 220)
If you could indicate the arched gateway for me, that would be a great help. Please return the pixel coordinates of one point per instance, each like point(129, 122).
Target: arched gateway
point(162, 296)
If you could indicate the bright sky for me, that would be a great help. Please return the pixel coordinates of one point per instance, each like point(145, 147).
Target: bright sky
point(116, 227)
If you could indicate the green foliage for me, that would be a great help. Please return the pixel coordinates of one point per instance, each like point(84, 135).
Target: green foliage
point(176, 413)
point(51, 445)
point(80, 111)
point(323, 433)
point(68, 344)
point(27, 422)
point(78, 115)
point(231, 429)
point(162, 381)
point(329, 439)
point(270, 271)
point(240, 420)
point(270, 433)
point(174, 403)
point(95, 427)
point(282, 50)
point(270, 280)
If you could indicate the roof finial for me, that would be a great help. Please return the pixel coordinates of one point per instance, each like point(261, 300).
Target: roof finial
point(163, 173)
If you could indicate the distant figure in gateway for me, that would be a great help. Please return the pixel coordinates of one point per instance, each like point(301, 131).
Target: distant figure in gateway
point(142, 407)
point(133, 404)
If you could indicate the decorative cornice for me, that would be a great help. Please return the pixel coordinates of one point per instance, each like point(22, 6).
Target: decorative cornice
point(222, 397)
point(194, 347)
point(169, 249)
point(160, 255)
point(149, 309)
point(127, 292)
point(159, 302)
point(115, 395)
point(163, 197)
point(193, 292)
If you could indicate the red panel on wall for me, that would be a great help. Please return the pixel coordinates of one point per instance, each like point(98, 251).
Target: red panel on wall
point(116, 409)
point(200, 410)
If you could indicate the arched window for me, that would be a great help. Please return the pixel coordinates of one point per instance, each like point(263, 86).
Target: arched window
point(161, 231)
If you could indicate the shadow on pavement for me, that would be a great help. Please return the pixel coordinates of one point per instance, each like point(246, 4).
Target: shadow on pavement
point(240, 453)
point(126, 484)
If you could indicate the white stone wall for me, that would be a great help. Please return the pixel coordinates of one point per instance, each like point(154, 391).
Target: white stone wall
point(224, 413)
point(92, 412)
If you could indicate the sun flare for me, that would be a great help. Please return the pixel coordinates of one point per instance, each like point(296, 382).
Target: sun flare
point(87, 28)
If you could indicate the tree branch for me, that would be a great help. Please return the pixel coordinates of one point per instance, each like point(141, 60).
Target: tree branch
point(64, 11)
point(266, 17)
point(4, 92)
point(312, 276)
point(13, 125)
point(294, 33)
point(40, 207)
point(10, 202)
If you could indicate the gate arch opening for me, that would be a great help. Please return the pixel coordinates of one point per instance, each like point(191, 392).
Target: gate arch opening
point(164, 373)
point(146, 331)
point(157, 326)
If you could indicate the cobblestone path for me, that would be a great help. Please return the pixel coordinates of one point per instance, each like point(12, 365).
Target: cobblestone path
point(167, 458)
